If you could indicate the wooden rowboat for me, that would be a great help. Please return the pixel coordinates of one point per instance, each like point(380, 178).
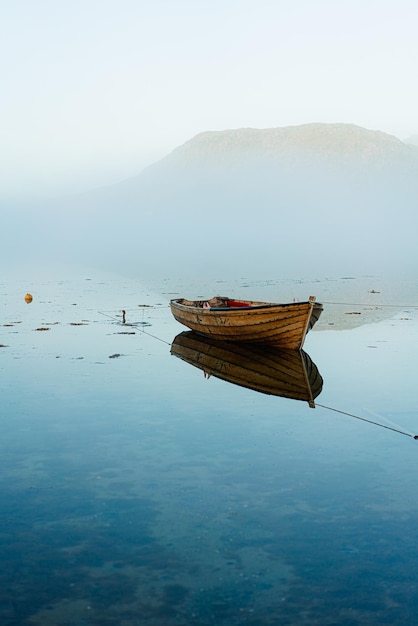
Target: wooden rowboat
point(266, 369)
point(226, 319)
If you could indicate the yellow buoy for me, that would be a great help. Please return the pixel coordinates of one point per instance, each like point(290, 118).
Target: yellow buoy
point(28, 298)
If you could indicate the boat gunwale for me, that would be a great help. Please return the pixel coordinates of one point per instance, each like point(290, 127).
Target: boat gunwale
point(240, 309)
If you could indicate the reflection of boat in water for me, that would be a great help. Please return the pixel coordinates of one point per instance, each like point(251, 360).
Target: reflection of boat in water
point(281, 325)
point(285, 373)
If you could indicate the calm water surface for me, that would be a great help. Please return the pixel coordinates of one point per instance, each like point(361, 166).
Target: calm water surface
point(133, 490)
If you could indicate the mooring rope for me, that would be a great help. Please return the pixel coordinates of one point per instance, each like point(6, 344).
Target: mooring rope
point(136, 325)
point(154, 336)
point(363, 419)
point(385, 419)
point(374, 305)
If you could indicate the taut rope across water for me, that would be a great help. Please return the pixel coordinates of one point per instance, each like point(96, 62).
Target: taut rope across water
point(364, 419)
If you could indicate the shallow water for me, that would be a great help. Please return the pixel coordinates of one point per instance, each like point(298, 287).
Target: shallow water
point(134, 490)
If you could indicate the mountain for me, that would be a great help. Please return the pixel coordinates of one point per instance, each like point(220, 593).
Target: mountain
point(237, 159)
point(311, 198)
point(236, 171)
point(345, 143)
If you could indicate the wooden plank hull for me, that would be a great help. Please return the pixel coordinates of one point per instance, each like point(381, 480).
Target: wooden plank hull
point(266, 369)
point(282, 325)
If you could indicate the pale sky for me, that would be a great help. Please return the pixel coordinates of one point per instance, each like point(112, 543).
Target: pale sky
point(92, 91)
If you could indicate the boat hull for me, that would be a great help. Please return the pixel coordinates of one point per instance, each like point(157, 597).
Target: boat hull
point(282, 325)
point(266, 369)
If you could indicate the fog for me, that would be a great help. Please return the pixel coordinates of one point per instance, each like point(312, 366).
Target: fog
point(251, 220)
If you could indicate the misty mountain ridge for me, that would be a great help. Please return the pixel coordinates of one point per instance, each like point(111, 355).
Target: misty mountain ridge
point(238, 170)
point(345, 143)
point(305, 198)
point(246, 166)
point(316, 153)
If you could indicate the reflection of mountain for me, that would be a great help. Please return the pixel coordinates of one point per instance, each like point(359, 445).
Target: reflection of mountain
point(286, 373)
